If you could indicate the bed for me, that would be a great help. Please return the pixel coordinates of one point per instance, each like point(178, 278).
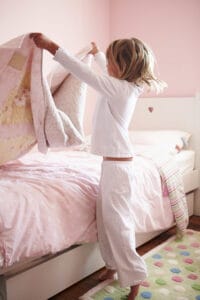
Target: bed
point(41, 275)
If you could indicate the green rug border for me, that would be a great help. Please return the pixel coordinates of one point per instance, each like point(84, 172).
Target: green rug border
point(101, 285)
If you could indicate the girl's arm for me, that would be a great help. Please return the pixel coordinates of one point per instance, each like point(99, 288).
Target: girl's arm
point(99, 56)
point(44, 42)
point(102, 83)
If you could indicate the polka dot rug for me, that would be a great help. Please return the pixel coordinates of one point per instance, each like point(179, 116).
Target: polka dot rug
point(173, 273)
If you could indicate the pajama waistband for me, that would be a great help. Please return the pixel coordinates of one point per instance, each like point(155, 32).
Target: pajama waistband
point(118, 158)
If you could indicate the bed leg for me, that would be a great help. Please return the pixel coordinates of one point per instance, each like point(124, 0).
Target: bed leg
point(3, 293)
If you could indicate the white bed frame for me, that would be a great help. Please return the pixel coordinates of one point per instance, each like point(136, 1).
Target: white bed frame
point(172, 113)
point(42, 278)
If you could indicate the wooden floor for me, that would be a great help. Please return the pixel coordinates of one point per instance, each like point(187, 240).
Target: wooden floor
point(83, 286)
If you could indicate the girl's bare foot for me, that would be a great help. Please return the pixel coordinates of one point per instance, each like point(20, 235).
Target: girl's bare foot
point(134, 291)
point(107, 274)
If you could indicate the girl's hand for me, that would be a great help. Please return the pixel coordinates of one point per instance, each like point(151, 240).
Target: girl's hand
point(44, 42)
point(94, 49)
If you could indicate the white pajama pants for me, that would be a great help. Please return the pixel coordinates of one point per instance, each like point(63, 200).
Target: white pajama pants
point(115, 222)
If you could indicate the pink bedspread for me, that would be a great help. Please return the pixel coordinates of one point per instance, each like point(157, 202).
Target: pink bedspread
point(47, 202)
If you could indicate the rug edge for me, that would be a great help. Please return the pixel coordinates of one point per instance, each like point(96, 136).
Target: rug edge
point(101, 285)
point(158, 247)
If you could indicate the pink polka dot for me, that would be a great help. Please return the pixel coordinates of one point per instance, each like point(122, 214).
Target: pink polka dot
point(167, 248)
point(177, 278)
point(188, 261)
point(182, 247)
point(145, 284)
point(190, 232)
point(192, 276)
point(195, 245)
point(158, 264)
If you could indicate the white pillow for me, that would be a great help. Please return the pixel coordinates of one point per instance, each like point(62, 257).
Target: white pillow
point(171, 140)
point(85, 146)
point(64, 117)
point(153, 151)
point(71, 96)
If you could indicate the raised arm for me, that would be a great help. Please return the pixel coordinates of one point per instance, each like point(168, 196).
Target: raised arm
point(102, 83)
point(44, 42)
point(100, 59)
point(99, 56)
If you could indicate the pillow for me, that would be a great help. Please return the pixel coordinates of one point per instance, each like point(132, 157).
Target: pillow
point(153, 151)
point(85, 146)
point(171, 140)
point(64, 118)
point(70, 98)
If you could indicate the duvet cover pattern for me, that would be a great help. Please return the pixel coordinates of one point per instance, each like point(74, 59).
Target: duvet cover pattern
point(47, 202)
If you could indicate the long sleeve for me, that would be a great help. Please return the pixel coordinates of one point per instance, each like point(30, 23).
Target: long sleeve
point(104, 84)
point(100, 59)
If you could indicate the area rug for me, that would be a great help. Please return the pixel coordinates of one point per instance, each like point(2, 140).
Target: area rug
point(173, 273)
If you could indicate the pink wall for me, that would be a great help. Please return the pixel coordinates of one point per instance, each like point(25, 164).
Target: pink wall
point(172, 29)
point(71, 23)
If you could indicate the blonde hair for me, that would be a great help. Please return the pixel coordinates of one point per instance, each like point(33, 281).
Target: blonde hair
point(134, 62)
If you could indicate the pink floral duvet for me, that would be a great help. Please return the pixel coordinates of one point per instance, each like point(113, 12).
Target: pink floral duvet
point(47, 202)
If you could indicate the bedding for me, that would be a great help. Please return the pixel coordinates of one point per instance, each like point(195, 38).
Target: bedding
point(47, 202)
point(151, 143)
point(28, 112)
point(173, 180)
point(171, 141)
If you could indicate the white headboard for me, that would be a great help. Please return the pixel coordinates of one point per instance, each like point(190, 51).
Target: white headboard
point(169, 113)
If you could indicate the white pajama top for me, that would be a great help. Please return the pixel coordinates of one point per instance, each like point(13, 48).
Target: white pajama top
point(114, 109)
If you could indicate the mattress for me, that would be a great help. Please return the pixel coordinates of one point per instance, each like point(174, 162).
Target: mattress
point(63, 188)
point(185, 160)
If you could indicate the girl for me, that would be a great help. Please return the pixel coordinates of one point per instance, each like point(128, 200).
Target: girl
point(130, 66)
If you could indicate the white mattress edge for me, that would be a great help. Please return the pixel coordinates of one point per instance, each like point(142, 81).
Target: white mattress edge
point(191, 180)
